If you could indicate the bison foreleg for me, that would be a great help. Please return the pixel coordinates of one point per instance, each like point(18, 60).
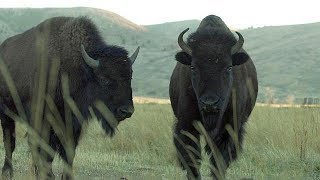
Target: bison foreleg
point(42, 161)
point(9, 140)
point(222, 151)
point(187, 143)
point(68, 157)
point(68, 151)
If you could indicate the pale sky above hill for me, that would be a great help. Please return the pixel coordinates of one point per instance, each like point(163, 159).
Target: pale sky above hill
point(236, 13)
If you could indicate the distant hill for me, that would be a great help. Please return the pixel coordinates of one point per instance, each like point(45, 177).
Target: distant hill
point(286, 57)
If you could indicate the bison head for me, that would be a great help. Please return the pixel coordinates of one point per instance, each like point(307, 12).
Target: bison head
point(211, 53)
point(112, 73)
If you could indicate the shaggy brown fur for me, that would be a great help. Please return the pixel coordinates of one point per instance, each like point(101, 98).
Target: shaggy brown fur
point(201, 91)
point(60, 39)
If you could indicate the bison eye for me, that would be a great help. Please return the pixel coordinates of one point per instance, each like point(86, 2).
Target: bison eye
point(229, 68)
point(192, 68)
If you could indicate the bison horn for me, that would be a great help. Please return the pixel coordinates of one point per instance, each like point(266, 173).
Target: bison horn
point(238, 45)
point(134, 55)
point(90, 61)
point(182, 44)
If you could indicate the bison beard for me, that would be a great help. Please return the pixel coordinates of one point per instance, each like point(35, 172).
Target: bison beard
point(210, 120)
point(212, 123)
point(105, 123)
point(109, 130)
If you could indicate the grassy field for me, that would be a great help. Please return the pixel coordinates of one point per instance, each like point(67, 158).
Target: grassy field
point(281, 143)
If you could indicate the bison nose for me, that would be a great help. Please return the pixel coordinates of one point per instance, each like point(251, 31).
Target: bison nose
point(210, 105)
point(125, 111)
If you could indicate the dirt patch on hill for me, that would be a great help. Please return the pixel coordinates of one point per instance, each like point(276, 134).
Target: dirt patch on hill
point(147, 100)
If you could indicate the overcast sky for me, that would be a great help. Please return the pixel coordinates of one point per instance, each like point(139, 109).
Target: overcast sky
point(236, 13)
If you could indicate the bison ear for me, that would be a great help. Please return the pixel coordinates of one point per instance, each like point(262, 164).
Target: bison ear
point(183, 58)
point(239, 58)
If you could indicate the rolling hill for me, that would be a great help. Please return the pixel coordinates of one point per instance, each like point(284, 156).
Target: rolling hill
point(286, 57)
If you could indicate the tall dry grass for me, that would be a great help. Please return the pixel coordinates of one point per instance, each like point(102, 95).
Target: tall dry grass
point(143, 147)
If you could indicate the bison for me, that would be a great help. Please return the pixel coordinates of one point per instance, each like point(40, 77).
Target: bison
point(213, 83)
point(96, 71)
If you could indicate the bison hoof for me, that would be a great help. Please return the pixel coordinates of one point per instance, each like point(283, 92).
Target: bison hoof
point(66, 176)
point(7, 172)
point(192, 177)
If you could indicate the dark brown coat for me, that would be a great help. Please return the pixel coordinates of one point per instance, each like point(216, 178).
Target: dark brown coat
point(209, 68)
point(96, 71)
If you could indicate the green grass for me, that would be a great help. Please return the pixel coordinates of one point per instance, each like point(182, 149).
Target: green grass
point(143, 149)
point(273, 142)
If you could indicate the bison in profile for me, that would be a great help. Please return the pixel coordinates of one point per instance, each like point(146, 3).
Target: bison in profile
point(96, 71)
point(215, 83)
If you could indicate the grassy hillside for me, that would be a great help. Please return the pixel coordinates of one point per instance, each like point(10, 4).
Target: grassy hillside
point(111, 25)
point(285, 56)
